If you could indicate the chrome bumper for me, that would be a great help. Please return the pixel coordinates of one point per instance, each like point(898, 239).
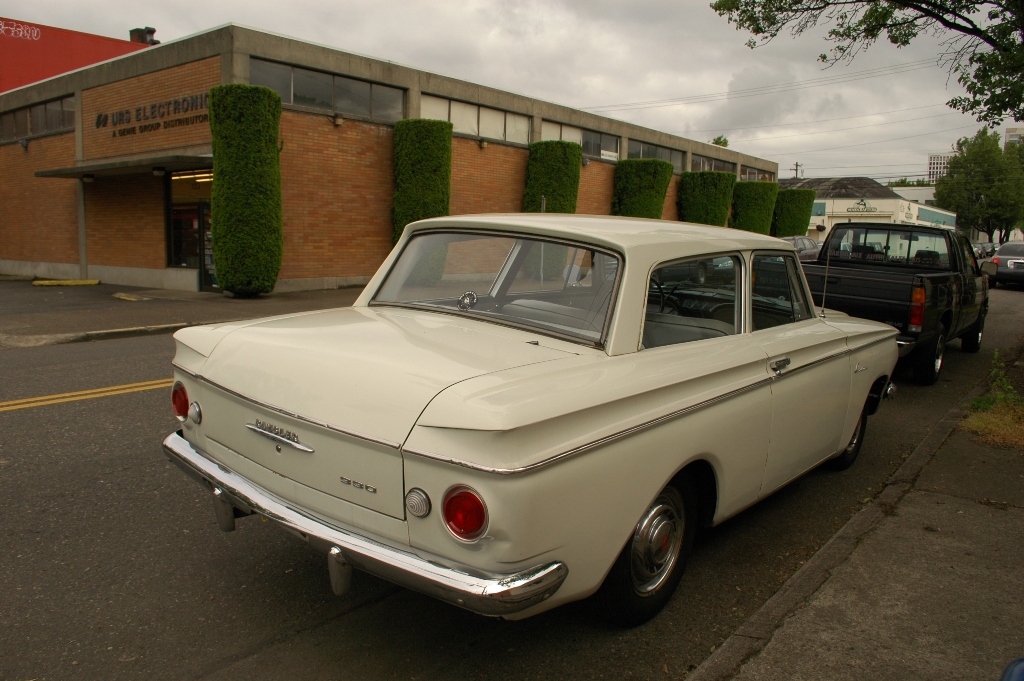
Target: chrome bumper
point(483, 593)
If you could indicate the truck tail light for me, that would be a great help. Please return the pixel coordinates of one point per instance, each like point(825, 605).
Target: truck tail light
point(464, 513)
point(917, 299)
point(179, 401)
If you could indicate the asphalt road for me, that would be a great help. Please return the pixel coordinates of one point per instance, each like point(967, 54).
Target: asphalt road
point(112, 565)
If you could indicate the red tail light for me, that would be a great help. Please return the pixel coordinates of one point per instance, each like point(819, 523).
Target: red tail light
point(917, 299)
point(995, 260)
point(179, 401)
point(464, 513)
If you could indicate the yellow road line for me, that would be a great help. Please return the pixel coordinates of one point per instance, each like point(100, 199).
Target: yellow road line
point(44, 400)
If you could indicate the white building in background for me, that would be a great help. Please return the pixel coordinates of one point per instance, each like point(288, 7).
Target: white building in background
point(925, 195)
point(1012, 136)
point(861, 199)
point(938, 164)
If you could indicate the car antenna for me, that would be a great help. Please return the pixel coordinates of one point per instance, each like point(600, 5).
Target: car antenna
point(824, 285)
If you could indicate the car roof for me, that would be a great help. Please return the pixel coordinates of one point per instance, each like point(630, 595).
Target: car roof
point(619, 233)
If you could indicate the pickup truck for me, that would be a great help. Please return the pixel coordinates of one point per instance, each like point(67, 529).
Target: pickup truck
point(925, 281)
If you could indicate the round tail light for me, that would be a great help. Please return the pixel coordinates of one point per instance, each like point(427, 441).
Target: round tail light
point(464, 513)
point(179, 401)
point(995, 260)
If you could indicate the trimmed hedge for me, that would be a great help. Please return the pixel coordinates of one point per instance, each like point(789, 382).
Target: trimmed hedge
point(246, 219)
point(753, 204)
point(792, 215)
point(553, 172)
point(640, 187)
point(705, 197)
point(423, 171)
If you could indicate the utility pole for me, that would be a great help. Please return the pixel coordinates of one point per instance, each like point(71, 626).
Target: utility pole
point(796, 169)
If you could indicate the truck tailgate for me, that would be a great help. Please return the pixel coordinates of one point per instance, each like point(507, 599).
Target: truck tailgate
point(877, 295)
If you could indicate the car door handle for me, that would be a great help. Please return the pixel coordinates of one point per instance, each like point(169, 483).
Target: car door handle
point(779, 364)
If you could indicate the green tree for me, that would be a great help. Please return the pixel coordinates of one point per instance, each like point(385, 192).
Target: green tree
point(983, 185)
point(985, 48)
point(721, 141)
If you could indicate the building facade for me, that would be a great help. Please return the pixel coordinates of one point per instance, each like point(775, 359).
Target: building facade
point(1012, 136)
point(861, 199)
point(111, 177)
point(938, 165)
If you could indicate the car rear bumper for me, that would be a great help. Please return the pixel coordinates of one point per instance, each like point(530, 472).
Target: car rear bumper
point(1011, 275)
point(480, 592)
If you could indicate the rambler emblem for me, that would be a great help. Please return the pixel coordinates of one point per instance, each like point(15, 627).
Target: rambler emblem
point(278, 434)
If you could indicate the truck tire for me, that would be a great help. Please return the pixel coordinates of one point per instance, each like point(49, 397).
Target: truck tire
point(971, 340)
point(928, 360)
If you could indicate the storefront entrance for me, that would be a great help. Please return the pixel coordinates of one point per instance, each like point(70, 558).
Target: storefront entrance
point(190, 241)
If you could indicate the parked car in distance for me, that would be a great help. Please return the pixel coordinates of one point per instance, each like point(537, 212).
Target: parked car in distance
point(925, 281)
point(1009, 264)
point(525, 410)
point(806, 247)
point(988, 248)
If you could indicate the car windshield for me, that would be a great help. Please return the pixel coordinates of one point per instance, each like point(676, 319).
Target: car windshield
point(878, 245)
point(1012, 249)
point(563, 289)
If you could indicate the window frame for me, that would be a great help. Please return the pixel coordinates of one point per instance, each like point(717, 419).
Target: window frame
point(613, 301)
point(741, 307)
point(803, 280)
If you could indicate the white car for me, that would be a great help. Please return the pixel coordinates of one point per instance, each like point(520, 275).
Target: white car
point(522, 410)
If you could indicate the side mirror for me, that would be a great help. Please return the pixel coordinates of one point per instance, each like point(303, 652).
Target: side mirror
point(989, 268)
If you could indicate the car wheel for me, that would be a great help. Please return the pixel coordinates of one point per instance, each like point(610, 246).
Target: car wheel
point(971, 340)
point(651, 564)
point(845, 458)
point(928, 360)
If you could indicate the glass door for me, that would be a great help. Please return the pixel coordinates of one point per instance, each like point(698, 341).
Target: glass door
point(207, 268)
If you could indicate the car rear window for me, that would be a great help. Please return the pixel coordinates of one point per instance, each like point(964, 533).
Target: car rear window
point(1012, 249)
point(881, 246)
point(561, 288)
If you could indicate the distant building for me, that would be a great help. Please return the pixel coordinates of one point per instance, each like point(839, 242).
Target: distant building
point(861, 199)
point(33, 52)
point(1012, 135)
point(938, 165)
point(925, 195)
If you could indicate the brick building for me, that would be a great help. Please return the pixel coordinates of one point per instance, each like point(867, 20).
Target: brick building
point(110, 178)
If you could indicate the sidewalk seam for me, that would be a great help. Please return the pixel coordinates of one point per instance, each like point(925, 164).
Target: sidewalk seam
point(754, 634)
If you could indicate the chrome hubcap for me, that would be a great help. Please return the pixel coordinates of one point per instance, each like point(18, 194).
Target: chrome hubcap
point(656, 543)
point(856, 436)
point(940, 349)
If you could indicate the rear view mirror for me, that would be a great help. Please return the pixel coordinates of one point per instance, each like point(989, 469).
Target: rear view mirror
point(989, 268)
point(909, 237)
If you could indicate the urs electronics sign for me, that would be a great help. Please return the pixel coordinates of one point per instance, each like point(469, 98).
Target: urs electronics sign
point(172, 113)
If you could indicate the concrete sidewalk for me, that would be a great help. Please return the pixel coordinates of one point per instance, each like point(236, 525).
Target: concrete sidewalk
point(46, 315)
point(927, 582)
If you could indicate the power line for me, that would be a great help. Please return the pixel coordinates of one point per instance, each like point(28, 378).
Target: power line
point(893, 139)
point(855, 127)
point(820, 120)
point(768, 89)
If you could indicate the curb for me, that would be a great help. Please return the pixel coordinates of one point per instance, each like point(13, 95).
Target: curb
point(9, 341)
point(754, 634)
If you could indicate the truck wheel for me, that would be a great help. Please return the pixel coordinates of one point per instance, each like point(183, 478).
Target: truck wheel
point(928, 360)
point(971, 340)
point(845, 458)
point(651, 564)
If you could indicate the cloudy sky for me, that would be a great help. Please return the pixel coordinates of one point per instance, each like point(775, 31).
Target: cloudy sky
point(878, 116)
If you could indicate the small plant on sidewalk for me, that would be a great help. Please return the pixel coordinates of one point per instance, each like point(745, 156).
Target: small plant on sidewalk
point(997, 417)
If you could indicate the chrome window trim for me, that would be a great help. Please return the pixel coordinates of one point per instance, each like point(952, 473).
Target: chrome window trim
point(594, 444)
point(298, 417)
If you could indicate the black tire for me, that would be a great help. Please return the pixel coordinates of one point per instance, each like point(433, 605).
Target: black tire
point(971, 340)
point(648, 570)
point(928, 360)
point(845, 458)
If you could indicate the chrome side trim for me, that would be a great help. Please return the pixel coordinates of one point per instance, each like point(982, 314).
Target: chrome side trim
point(482, 592)
point(184, 370)
point(277, 438)
point(299, 417)
point(596, 443)
point(820, 360)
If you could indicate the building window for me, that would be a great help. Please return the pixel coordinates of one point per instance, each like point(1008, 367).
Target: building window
point(639, 149)
point(705, 163)
point(596, 144)
point(479, 121)
point(748, 174)
point(323, 91)
point(51, 117)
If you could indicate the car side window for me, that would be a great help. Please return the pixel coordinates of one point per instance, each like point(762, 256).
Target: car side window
point(777, 294)
point(968, 253)
point(691, 300)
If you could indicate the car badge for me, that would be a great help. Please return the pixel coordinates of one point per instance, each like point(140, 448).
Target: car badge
point(278, 434)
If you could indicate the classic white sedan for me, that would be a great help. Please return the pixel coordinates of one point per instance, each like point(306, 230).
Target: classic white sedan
point(523, 410)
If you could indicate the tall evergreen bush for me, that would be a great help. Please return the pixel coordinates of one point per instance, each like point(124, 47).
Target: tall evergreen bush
point(792, 215)
point(246, 218)
point(553, 171)
point(640, 187)
point(705, 197)
point(423, 171)
point(753, 204)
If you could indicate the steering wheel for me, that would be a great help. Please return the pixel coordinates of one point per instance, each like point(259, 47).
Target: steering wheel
point(661, 296)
